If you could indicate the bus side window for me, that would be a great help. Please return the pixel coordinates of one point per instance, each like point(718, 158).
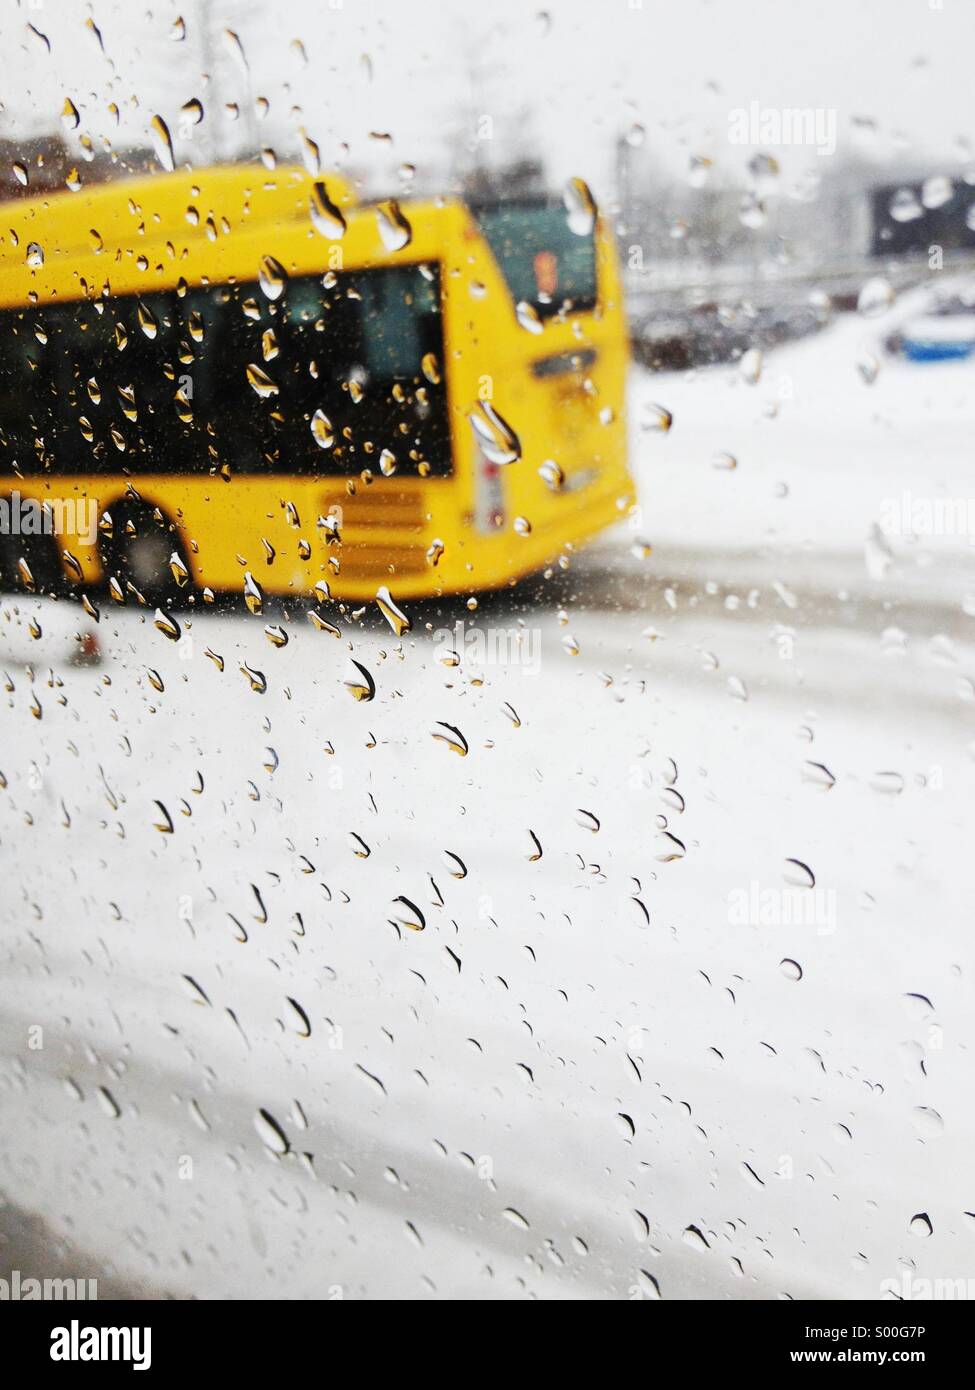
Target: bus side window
point(229, 420)
point(140, 378)
point(101, 367)
point(403, 348)
point(26, 402)
point(36, 417)
point(101, 381)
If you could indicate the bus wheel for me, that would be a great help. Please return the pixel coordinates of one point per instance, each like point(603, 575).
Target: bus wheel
point(138, 551)
point(31, 565)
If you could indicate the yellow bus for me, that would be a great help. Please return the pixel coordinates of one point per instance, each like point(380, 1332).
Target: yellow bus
point(228, 377)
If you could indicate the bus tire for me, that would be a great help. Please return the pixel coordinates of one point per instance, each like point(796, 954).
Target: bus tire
point(141, 557)
point(43, 559)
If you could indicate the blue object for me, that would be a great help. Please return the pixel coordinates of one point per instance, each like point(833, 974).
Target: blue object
point(931, 350)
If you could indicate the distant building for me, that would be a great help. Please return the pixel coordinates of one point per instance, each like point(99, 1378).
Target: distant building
point(909, 218)
point(524, 178)
point(43, 163)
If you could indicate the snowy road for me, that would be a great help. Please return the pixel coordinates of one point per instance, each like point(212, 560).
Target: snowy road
point(590, 1075)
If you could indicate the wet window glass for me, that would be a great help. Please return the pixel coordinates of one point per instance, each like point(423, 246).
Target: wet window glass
point(487, 658)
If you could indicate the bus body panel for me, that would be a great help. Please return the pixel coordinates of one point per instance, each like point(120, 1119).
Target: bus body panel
point(560, 389)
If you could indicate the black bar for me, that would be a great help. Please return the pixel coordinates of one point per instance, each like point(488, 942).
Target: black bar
point(202, 1337)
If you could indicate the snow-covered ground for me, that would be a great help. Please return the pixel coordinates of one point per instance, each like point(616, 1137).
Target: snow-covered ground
point(609, 1071)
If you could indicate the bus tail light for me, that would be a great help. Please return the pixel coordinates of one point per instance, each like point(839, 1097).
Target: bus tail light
point(488, 494)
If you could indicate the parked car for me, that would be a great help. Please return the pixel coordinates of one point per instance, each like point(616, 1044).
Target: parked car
point(705, 334)
point(940, 328)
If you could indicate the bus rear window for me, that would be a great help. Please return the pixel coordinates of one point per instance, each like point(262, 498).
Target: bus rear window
point(544, 262)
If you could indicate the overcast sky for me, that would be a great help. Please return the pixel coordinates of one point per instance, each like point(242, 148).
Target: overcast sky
point(567, 77)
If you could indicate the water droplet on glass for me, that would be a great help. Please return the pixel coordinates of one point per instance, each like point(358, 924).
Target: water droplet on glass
point(397, 619)
point(430, 368)
point(235, 48)
point(552, 475)
point(936, 191)
point(407, 914)
point(889, 783)
point(321, 428)
point(454, 864)
point(162, 143)
point(358, 682)
point(451, 737)
point(750, 366)
point(580, 207)
point(798, 874)
point(668, 848)
point(927, 1122)
point(904, 206)
point(516, 1218)
point(394, 229)
point(875, 298)
point(699, 170)
point(272, 277)
point(695, 1238)
point(260, 381)
point(147, 320)
point(495, 437)
point(270, 1133)
point(819, 774)
point(257, 679)
point(325, 216)
point(655, 417)
point(108, 1103)
point(167, 625)
point(751, 212)
point(763, 168)
point(253, 593)
point(528, 316)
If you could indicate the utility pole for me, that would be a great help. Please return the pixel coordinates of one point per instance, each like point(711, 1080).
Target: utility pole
point(212, 144)
point(624, 181)
point(210, 138)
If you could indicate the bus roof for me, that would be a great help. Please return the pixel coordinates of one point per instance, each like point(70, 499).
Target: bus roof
point(115, 215)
